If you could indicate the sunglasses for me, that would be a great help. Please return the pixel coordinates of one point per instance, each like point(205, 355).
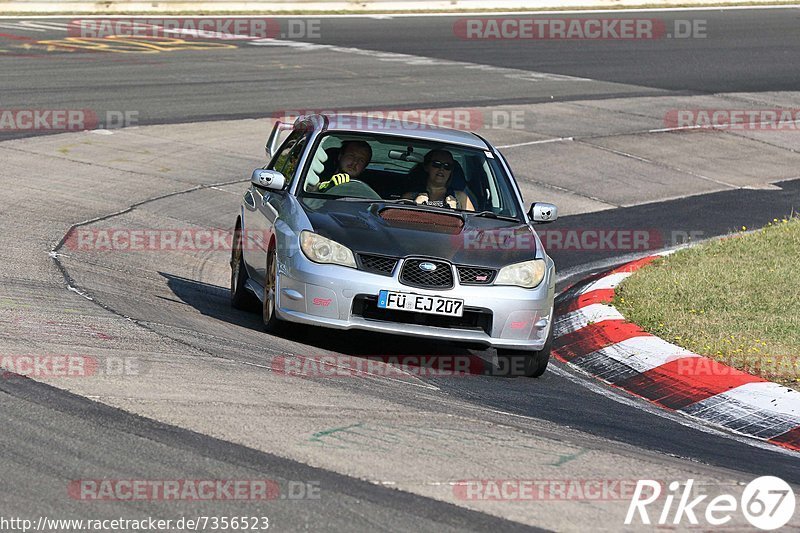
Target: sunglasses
point(440, 164)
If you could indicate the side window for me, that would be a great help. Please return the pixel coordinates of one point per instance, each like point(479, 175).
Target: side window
point(289, 155)
point(491, 193)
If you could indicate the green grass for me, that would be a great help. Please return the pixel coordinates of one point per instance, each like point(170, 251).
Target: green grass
point(736, 300)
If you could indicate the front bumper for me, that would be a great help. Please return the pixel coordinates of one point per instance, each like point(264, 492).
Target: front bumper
point(324, 295)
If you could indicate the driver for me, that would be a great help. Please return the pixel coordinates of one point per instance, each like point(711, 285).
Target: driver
point(354, 156)
point(439, 166)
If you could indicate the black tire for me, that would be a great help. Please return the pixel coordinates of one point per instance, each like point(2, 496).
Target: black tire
point(241, 298)
point(529, 364)
point(272, 324)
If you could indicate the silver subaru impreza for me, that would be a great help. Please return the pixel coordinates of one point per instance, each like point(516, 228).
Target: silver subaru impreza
point(398, 228)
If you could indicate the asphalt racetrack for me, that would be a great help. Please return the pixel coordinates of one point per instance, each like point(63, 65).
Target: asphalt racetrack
point(585, 124)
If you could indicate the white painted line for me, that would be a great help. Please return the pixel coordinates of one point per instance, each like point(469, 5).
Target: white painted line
point(30, 25)
point(530, 143)
point(223, 190)
point(286, 44)
point(768, 396)
point(13, 26)
point(606, 282)
point(600, 265)
point(79, 292)
point(417, 61)
point(657, 163)
point(723, 128)
point(586, 380)
point(681, 128)
point(645, 353)
point(741, 416)
point(581, 318)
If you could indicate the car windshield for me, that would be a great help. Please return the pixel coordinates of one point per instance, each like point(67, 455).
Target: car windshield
point(437, 175)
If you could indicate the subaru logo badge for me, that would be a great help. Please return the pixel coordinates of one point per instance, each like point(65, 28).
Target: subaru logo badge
point(427, 267)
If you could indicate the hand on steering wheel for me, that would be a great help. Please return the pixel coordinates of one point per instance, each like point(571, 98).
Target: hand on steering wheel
point(336, 179)
point(449, 201)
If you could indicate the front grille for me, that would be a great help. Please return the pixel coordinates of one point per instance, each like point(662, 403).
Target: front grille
point(377, 264)
point(413, 275)
point(474, 318)
point(475, 275)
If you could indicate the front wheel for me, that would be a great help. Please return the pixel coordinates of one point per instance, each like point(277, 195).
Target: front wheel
point(528, 364)
point(241, 297)
point(272, 324)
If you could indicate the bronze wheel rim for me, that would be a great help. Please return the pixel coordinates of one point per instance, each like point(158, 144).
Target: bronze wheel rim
point(269, 288)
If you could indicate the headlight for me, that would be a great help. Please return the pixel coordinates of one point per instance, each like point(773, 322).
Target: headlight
point(322, 250)
point(528, 274)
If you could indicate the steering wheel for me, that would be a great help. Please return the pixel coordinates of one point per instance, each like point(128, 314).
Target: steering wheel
point(355, 188)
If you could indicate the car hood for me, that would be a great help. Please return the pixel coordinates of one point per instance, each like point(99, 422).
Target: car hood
point(403, 231)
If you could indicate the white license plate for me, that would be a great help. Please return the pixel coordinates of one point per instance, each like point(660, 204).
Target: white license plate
point(434, 305)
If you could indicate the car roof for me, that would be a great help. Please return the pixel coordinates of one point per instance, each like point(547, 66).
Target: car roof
point(398, 127)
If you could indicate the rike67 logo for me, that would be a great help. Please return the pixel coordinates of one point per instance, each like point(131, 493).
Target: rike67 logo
point(767, 503)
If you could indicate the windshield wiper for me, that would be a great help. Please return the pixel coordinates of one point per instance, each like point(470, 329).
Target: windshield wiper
point(492, 214)
point(401, 201)
point(351, 199)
